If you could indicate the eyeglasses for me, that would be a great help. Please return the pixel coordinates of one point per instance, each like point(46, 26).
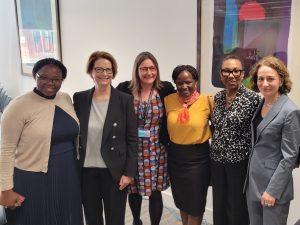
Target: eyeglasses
point(145, 69)
point(48, 80)
point(101, 70)
point(235, 72)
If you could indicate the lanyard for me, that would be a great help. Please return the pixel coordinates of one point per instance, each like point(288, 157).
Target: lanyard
point(145, 110)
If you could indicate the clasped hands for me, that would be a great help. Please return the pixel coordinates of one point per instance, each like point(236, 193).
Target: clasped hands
point(10, 199)
point(267, 200)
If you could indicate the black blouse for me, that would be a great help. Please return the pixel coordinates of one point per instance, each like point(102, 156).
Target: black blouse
point(231, 141)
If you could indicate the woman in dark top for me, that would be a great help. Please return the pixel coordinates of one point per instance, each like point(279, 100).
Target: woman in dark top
point(38, 131)
point(108, 143)
point(152, 176)
point(230, 146)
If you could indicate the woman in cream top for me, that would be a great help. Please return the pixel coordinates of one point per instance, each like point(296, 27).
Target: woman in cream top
point(39, 177)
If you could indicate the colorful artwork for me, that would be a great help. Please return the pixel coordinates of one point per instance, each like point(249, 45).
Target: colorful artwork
point(38, 31)
point(251, 29)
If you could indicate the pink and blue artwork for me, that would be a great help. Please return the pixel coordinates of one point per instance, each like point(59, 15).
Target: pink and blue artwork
point(251, 29)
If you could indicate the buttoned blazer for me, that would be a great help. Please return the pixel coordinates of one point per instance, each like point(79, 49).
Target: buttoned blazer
point(274, 152)
point(119, 138)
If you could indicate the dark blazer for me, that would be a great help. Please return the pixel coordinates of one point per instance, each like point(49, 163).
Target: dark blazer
point(298, 159)
point(119, 138)
point(274, 152)
point(166, 89)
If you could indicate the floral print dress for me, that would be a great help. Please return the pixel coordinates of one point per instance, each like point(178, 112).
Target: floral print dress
point(152, 155)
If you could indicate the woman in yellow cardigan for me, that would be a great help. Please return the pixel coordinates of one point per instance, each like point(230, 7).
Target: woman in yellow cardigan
point(188, 127)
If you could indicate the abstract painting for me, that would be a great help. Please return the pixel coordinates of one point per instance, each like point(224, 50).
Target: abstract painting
point(251, 29)
point(38, 30)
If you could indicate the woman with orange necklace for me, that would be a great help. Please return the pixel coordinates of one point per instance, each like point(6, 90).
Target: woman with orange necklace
point(188, 128)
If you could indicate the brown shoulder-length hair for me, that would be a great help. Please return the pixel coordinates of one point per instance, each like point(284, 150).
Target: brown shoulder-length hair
point(275, 64)
point(135, 83)
point(98, 55)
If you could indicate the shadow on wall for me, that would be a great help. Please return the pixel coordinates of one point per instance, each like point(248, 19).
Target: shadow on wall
point(4, 98)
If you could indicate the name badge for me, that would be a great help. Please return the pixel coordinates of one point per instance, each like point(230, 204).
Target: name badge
point(143, 133)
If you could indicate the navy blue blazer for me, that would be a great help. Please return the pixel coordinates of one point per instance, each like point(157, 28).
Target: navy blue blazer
point(119, 138)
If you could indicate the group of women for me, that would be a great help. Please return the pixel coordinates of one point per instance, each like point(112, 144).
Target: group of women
point(143, 136)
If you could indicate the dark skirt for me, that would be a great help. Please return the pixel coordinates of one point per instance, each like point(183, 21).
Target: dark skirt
point(52, 198)
point(189, 169)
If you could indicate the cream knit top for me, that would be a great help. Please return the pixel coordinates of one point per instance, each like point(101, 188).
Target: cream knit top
point(26, 128)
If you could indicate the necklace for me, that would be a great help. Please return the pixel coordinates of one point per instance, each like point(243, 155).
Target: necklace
point(269, 105)
point(145, 94)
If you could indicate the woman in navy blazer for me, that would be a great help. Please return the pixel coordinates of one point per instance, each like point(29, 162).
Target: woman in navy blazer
point(108, 143)
point(275, 145)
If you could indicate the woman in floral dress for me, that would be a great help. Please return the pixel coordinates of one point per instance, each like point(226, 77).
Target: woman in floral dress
point(152, 176)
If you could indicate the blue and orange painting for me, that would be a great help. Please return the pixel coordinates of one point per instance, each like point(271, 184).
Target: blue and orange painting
point(251, 29)
point(36, 30)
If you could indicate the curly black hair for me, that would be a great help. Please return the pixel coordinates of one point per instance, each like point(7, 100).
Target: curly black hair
point(189, 68)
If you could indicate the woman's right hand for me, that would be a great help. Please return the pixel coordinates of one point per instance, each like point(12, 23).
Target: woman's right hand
point(11, 199)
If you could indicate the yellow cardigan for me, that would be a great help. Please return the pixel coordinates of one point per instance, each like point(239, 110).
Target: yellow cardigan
point(26, 128)
point(195, 131)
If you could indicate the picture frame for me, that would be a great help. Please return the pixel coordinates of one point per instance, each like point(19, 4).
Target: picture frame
point(38, 31)
point(249, 29)
point(198, 64)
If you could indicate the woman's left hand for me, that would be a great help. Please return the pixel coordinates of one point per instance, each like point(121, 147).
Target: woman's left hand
point(124, 182)
point(267, 200)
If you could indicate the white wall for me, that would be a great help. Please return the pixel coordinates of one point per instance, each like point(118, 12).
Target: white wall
point(125, 28)
point(9, 51)
point(294, 67)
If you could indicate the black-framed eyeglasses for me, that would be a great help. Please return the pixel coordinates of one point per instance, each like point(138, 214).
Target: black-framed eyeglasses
point(235, 72)
point(101, 70)
point(45, 79)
